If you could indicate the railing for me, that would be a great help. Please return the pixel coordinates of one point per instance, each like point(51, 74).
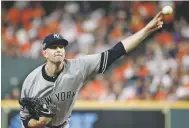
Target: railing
point(129, 114)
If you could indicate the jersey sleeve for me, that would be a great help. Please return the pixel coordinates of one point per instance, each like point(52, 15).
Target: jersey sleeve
point(99, 63)
point(25, 116)
point(24, 113)
point(89, 65)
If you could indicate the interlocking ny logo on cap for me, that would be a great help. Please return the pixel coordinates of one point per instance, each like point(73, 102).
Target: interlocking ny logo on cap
point(56, 36)
point(44, 45)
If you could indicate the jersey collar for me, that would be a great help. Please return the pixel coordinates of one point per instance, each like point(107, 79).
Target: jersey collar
point(49, 78)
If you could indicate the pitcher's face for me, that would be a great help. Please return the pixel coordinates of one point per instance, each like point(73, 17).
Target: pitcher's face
point(55, 53)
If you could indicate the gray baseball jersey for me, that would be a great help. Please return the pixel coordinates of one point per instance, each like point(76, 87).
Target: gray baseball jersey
point(64, 90)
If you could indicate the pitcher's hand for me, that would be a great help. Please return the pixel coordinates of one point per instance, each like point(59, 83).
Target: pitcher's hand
point(155, 24)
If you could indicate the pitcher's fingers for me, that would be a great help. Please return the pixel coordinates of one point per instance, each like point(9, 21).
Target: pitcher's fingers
point(156, 28)
point(160, 18)
point(160, 23)
point(159, 15)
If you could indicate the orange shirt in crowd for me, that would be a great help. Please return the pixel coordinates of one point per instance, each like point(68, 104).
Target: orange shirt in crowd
point(161, 96)
point(137, 23)
point(25, 47)
point(14, 15)
point(43, 32)
point(53, 27)
point(164, 38)
point(38, 12)
point(168, 18)
point(26, 15)
point(116, 33)
point(148, 8)
point(95, 88)
point(143, 71)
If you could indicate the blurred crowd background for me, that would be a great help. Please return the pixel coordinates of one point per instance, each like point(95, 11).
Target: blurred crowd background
point(158, 69)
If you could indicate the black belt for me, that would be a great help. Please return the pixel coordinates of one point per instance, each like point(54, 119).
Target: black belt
point(59, 126)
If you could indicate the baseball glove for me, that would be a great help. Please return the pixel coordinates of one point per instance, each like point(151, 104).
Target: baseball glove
point(36, 107)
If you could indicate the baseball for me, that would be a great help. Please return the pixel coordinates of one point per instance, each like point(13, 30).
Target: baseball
point(167, 10)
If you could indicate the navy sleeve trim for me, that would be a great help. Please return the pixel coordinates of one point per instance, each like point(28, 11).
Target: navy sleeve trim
point(108, 57)
point(103, 62)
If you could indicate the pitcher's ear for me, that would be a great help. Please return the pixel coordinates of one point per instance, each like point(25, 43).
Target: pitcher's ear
point(44, 52)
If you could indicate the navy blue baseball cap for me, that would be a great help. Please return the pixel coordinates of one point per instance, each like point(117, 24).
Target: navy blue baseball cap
point(54, 39)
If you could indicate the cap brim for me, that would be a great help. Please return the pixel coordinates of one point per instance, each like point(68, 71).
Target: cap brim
point(60, 41)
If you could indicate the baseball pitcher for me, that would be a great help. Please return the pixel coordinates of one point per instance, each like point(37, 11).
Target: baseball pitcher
point(50, 91)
